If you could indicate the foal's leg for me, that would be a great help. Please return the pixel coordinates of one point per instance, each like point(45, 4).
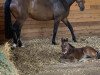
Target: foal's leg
point(56, 24)
point(16, 34)
point(66, 22)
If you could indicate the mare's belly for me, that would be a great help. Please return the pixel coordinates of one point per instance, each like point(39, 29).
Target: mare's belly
point(40, 10)
point(41, 16)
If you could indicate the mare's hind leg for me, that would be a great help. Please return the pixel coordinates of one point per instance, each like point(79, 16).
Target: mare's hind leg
point(16, 34)
point(56, 24)
point(66, 22)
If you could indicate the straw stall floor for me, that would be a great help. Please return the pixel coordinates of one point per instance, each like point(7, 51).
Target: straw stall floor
point(39, 57)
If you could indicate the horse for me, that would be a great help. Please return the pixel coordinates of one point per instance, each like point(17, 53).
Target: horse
point(41, 10)
point(77, 54)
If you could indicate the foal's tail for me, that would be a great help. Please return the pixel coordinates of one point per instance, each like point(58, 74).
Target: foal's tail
point(7, 17)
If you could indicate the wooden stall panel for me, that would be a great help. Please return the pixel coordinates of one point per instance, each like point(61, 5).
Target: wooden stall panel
point(84, 22)
point(2, 35)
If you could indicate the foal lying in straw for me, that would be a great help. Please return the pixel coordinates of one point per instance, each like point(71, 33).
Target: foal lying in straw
point(72, 54)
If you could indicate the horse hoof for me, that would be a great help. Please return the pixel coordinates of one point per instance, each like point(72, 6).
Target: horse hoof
point(14, 45)
point(54, 43)
point(74, 40)
point(22, 46)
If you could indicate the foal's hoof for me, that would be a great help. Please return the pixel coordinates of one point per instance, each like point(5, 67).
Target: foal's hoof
point(54, 43)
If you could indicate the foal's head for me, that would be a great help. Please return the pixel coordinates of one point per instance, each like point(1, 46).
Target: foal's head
point(81, 4)
point(66, 47)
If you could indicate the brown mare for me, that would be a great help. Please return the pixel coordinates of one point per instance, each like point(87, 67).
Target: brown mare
point(41, 10)
point(73, 54)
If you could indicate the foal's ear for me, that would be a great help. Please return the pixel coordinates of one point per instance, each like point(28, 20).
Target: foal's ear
point(66, 39)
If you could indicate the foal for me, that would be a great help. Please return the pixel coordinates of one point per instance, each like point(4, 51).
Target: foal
point(71, 53)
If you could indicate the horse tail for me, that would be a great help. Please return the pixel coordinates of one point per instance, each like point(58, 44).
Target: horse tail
point(7, 17)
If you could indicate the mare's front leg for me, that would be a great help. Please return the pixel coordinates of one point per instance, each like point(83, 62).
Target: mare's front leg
point(56, 24)
point(16, 34)
point(66, 22)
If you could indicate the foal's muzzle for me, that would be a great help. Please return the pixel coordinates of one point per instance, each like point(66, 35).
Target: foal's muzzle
point(65, 52)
